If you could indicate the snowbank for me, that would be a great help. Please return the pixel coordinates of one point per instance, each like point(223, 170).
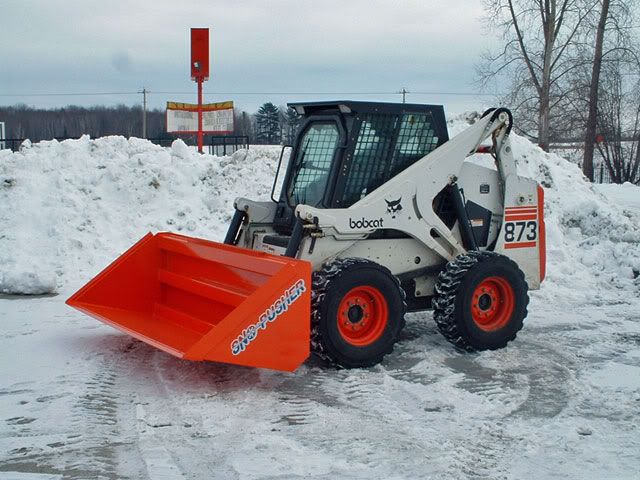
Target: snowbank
point(68, 208)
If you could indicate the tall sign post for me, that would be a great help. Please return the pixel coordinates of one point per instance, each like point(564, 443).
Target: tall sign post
point(199, 118)
point(200, 69)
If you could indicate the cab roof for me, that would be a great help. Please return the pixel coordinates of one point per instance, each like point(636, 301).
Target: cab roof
point(350, 106)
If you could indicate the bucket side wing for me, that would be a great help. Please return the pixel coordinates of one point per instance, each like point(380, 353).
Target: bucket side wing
point(270, 329)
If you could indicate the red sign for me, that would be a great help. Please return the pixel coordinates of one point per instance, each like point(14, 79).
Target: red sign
point(199, 54)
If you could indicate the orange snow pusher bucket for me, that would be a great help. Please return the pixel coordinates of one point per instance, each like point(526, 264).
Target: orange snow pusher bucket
point(202, 300)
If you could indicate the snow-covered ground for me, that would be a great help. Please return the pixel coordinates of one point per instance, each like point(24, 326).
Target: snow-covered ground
point(626, 195)
point(80, 400)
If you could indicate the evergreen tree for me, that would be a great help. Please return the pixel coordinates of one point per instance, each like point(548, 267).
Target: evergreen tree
point(290, 121)
point(268, 124)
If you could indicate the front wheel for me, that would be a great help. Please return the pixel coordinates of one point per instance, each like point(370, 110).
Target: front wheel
point(357, 312)
point(481, 301)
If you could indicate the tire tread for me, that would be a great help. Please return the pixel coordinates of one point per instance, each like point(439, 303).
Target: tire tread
point(446, 291)
point(320, 282)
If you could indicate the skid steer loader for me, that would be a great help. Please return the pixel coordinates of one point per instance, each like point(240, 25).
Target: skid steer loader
point(377, 214)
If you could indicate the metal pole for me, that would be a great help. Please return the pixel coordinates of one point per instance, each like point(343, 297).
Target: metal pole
point(144, 112)
point(200, 114)
point(404, 92)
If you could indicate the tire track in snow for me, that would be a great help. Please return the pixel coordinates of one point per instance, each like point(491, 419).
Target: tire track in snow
point(175, 416)
point(370, 421)
point(481, 453)
point(503, 390)
point(408, 361)
point(158, 461)
point(114, 422)
point(91, 439)
point(301, 395)
point(549, 379)
point(530, 380)
point(106, 413)
point(95, 415)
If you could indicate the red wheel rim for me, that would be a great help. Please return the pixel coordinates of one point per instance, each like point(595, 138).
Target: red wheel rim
point(492, 304)
point(362, 315)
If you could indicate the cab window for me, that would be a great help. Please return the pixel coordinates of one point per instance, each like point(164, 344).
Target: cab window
point(313, 164)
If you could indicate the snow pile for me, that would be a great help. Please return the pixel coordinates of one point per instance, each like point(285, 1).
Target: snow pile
point(68, 209)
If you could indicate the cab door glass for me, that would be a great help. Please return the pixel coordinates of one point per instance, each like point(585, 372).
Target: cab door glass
point(313, 164)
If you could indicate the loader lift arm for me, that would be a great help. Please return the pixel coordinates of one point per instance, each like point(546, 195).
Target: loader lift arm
point(418, 185)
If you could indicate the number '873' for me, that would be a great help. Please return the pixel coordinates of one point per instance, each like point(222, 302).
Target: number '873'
point(519, 231)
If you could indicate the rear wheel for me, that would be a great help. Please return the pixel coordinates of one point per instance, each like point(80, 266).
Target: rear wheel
point(481, 301)
point(357, 312)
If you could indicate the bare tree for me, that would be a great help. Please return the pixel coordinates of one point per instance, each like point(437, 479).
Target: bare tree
point(243, 124)
point(619, 122)
point(613, 44)
point(592, 120)
point(541, 40)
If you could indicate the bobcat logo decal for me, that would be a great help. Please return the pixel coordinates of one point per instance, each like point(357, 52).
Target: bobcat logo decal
point(394, 206)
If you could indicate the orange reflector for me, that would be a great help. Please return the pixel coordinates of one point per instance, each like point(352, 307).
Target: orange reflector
point(202, 300)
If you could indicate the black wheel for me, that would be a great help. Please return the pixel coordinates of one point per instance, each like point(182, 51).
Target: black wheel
point(480, 301)
point(358, 312)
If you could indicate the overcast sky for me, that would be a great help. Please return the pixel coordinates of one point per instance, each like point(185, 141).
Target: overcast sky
point(342, 47)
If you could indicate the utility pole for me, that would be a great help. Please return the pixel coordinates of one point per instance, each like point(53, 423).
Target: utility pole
point(404, 92)
point(144, 112)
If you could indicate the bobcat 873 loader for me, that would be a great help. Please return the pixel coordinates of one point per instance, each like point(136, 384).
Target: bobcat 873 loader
point(378, 214)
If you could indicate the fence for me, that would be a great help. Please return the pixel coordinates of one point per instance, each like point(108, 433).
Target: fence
point(219, 145)
point(228, 144)
point(601, 174)
point(11, 144)
point(573, 151)
point(14, 143)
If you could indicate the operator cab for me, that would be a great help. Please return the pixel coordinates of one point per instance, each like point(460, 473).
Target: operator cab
point(344, 150)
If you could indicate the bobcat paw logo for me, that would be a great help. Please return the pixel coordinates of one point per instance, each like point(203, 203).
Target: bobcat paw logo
point(394, 206)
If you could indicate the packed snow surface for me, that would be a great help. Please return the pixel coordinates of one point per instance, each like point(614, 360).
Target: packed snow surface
point(81, 400)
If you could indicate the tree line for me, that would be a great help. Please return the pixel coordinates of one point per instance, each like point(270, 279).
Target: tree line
point(38, 124)
point(269, 125)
